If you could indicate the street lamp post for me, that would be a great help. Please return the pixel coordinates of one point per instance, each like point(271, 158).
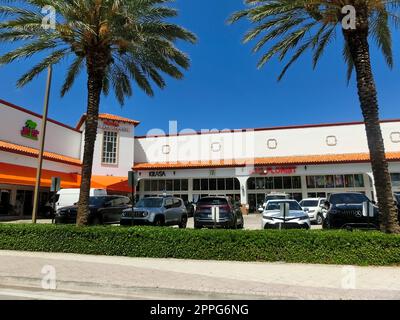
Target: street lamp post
point(42, 140)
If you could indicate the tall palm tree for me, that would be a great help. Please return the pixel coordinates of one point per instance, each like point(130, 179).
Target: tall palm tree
point(292, 27)
point(115, 40)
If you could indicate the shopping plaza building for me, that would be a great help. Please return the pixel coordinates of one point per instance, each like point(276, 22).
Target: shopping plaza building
point(304, 161)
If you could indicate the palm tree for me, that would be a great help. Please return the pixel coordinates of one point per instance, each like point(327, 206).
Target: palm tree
point(294, 26)
point(115, 40)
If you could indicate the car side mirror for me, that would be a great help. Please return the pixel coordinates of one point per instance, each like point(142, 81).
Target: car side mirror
point(373, 202)
point(327, 204)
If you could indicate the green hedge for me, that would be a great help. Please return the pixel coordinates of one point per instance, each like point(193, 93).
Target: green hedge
point(325, 247)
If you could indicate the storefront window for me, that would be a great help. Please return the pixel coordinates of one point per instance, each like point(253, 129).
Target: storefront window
point(177, 185)
point(196, 184)
point(168, 185)
point(229, 184)
point(320, 181)
point(287, 183)
point(147, 185)
point(395, 180)
point(269, 183)
point(278, 183)
point(213, 184)
point(204, 184)
point(296, 182)
point(161, 185)
point(221, 184)
point(349, 181)
point(237, 184)
point(311, 182)
point(184, 185)
point(339, 181)
point(330, 181)
point(154, 185)
point(260, 183)
point(359, 181)
point(251, 183)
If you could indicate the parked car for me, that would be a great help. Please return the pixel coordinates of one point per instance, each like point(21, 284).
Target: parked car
point(314, 208)
point(68, 197)
point(103, 210)
point(345, 210)
point(157, 211)
point(190, 208)
point(397, 200)
point(273, 196)
point(274, 218)
point(230, 215)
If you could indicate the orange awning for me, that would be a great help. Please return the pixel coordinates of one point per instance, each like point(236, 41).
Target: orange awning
point(116, 184)
point(26, 176)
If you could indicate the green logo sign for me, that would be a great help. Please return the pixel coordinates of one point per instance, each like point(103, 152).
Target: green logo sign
point(29, 131)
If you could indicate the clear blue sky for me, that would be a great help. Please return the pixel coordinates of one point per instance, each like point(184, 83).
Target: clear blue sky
point(223, 88)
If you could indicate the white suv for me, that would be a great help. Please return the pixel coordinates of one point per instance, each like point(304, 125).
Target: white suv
point(314, 208)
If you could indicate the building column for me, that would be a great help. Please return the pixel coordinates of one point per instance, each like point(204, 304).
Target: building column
point(190, 189)
point(243, 189)
point(304, 189)
point(370, 186)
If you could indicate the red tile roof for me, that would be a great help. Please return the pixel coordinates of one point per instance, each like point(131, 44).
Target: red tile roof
point(31, 152)
point(267, 161)
point(106, 116)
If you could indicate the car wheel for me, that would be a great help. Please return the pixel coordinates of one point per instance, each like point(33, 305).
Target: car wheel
point(183, 223)
point(320, 219)
point(197, 226)
point(158, 221)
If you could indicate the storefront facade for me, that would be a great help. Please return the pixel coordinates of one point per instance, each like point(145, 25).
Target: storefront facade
point(303, 161)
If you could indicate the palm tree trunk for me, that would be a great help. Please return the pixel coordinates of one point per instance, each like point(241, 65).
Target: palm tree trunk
point(96, 73)
point(357, 41)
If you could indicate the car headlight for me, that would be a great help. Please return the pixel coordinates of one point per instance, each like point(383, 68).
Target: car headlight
point(303, 218)
point(333, 211)
point(268, 218)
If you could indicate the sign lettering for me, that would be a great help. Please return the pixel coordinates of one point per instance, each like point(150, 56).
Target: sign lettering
point(265, 171)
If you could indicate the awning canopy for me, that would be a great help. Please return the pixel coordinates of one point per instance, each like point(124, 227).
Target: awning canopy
point(26, 176)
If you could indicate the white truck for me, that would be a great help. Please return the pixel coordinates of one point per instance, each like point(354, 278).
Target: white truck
point(68, 197)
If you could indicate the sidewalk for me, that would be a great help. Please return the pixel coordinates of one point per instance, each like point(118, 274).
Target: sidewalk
point(133, 278)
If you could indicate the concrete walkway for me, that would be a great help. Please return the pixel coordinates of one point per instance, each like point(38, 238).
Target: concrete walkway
point(98, 277)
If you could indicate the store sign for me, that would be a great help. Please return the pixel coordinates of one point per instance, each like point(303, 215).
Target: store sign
point(111, 123)
point(29, 130)
point(266, 171)
point(157, 174)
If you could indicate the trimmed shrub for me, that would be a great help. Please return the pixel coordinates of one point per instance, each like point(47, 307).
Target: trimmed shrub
point(294, 246)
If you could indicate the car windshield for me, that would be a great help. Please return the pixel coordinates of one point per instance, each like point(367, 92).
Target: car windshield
point(348, 198)
point(150, 203)
point(276, 205)
point(96, 201)
point(309, 203)
point(212, 201)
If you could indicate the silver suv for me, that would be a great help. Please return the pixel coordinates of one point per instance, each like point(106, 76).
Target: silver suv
point(157, 211)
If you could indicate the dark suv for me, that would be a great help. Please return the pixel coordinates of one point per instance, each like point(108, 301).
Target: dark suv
point(103, 210)
point(345, 210)
point(230, 215)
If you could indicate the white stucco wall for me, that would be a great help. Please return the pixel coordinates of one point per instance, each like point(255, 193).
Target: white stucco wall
point(254, 144)
point(125, 149)
point(20, 160)
point(59, 139)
